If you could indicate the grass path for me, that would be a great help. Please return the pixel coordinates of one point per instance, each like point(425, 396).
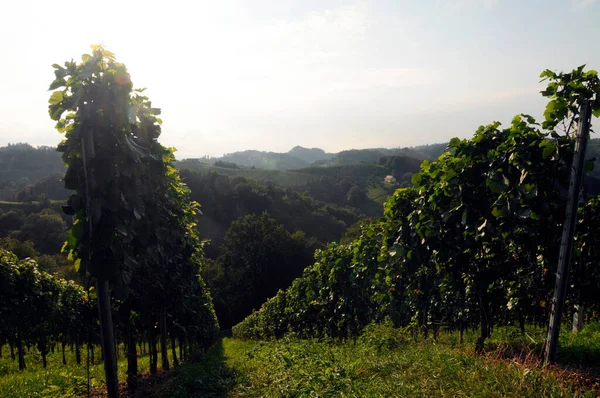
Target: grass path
point(372, 367)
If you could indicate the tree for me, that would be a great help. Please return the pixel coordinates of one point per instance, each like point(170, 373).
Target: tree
point(47, 231)
point(11, 221)
point(134, 229)
point(93, 107)
point(258, 257)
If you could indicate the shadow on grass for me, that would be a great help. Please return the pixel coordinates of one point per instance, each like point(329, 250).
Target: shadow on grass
point(205, 375)
point(577, 358)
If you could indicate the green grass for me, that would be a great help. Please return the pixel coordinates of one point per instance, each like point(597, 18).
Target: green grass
point(382, 363)
point(57, 380)
point(379, 194)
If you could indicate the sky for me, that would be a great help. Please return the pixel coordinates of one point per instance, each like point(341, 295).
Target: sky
point(231, 75)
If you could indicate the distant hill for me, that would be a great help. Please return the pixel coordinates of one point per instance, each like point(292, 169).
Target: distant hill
point(310, 155)
point(300, 157)
point(357, 185)
point(22, 166)
point(264, 160)
point(25, 161)
point(351, 178)
point(374, 155)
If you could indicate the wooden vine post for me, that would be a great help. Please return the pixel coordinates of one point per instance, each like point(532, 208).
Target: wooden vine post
point(107, 337)
point(566, 242)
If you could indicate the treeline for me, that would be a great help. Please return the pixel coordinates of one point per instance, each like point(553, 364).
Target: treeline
point(473, 244)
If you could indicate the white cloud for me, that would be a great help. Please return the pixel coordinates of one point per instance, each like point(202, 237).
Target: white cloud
point(578, 4)
point(457, 5)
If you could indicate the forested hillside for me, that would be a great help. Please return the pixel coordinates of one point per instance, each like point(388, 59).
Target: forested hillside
point(22, 166)
point(225, 199)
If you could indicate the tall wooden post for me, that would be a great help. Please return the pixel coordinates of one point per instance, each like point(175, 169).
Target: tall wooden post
point(566, 242)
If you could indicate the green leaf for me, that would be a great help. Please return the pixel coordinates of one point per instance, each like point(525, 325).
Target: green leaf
point(56, 112)
point(548, 149)
point(77, 264)
point(416, 179)
point(498, 212)
point(534, 216)
point(550, 109)
point(55, 98)
point(495, 186)
point(547, 74)
point(450, 174)
point(60, 82)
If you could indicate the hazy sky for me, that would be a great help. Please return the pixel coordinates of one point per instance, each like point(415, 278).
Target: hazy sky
point(272, 74)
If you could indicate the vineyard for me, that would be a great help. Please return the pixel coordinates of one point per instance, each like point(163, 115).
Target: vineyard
point(473, 244)
point(466, 256)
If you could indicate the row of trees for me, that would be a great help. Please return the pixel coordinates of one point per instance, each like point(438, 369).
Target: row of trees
point(474, 242)
point(134, 230)
point(41, 310)
point(45, 312)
